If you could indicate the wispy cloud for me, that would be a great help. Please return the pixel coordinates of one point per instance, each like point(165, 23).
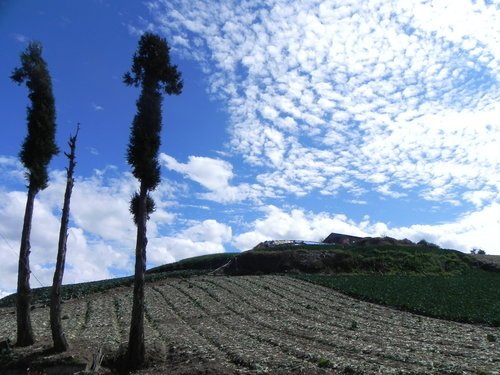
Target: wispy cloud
point(20, 38)
point(97, 107)
point(325, 96)
point(93, 151)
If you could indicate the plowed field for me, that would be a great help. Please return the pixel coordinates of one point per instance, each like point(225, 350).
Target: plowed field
point(270, 325)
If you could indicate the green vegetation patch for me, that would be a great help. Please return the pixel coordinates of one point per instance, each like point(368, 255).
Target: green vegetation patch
point(185, 268)
point(383, 258)
point(472, 297)
point(202, 262)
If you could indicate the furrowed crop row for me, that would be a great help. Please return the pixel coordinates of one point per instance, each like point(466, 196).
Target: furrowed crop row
point(377, 313)
point(183, 334)
point(241, 351)
point(339, 308)
point(170, 327)
point(156, 314)
point(6, 331)
point(398, 344)
point(74, 313)
point(122, 314)
point(100, 321)
point(269, 333)
point(330, 313)
point(424, 336)
point(234, 322)
point(389, 352)
point(86, 316)
point(41, 330)
point(309, 318)
point(366, 314)
point(324, 294)
point(290, 334)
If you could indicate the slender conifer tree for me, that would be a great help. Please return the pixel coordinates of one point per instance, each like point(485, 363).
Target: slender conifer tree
point(155, 75)
point(37, 150)
point(58, 336)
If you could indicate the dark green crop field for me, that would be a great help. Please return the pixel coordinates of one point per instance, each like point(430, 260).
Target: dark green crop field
point(472, 297)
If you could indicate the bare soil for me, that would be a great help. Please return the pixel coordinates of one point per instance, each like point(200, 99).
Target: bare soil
point(257, 325)
point(493, 260)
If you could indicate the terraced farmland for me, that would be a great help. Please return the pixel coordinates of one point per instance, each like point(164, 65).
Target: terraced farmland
point(270, 325)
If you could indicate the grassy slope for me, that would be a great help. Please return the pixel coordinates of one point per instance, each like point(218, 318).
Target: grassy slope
point(385, 259)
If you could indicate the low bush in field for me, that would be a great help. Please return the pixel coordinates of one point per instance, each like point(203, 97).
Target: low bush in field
point(473, 296)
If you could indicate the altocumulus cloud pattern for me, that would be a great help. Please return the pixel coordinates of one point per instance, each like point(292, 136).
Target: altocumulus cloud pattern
point(394, 97)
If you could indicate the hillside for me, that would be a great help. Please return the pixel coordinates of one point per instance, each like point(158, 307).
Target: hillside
point(263, 324)
point(367, 257)
point(247, 313)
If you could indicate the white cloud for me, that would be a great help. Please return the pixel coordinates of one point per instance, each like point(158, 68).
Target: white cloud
point(11, 169)
point(93, 151)
point(479, 198)
point(97, 107)
point(208, 230)
point(297, 224)
point(201, 238)
point(214, 175)
point(94, 253)
point(393, 98)
point(476, 229)
point(327, 97)
point(101, 235)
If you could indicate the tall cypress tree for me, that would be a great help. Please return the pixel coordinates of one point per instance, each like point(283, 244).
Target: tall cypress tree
point(37, 150)
point(155, 75)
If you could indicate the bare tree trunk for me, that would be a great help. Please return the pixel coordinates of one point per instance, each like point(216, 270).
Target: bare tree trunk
point(136, 350)
point(58, 337)
point(25, 335)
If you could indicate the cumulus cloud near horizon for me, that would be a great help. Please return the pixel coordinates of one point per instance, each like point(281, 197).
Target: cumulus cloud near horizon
point(94, 253)
point(474, 230)
point(101, 236)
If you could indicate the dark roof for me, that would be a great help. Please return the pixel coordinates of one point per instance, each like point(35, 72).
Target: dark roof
point(341, 239)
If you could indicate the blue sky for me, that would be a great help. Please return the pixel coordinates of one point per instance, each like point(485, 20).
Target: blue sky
point(297, 119)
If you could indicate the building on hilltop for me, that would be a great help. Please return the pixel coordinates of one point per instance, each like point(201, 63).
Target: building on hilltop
point(341, 239)
point(275, 243)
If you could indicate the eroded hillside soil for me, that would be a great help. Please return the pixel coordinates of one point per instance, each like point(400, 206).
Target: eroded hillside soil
point(266, 325)
point(493, 260)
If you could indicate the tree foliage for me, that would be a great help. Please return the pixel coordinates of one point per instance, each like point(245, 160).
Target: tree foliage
point(134, 206)
point(36, 152)
point(153, 72)
point(39, 145)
